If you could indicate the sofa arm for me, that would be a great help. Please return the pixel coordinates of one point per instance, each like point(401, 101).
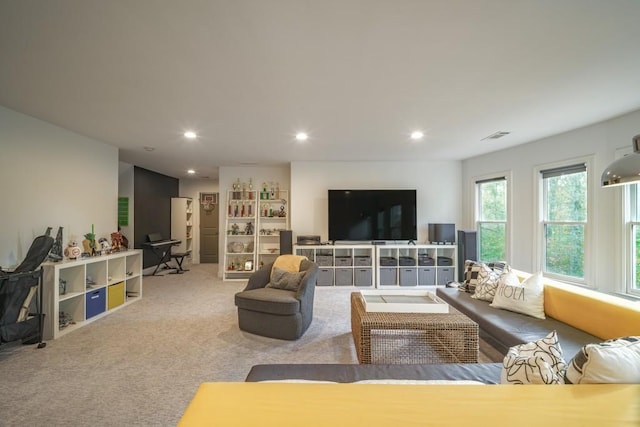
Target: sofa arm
point(308, 282)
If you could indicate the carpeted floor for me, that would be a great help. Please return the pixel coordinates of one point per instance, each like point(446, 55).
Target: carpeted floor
point(142, 364)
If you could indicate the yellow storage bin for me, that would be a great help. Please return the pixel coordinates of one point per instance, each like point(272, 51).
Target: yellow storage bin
point(115, 295)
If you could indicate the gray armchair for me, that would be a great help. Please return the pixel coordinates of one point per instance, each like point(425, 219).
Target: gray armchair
point(277, 313)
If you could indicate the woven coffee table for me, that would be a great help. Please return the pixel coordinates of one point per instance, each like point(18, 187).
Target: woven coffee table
point(406, 338)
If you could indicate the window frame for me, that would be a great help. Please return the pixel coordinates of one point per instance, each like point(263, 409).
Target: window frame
point(477, 181)
point(629, 223)
point(540, 240)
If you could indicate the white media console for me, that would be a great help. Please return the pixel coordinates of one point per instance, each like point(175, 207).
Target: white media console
point(383, 266)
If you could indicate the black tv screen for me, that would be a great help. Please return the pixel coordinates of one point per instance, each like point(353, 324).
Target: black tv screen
point(372, 215)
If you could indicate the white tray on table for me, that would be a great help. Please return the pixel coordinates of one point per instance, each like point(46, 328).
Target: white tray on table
point(403, 302)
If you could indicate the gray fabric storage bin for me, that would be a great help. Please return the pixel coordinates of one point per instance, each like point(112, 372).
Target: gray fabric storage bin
point(324, 260)
point(445, 275)
point(408, 277)
point(407, 261)
point(344, 277)
point(362, 260)
point(425, 259)
point(426, 276)
point(388, 276)
point(362, 277)
point(343, 261)
point(325, 277)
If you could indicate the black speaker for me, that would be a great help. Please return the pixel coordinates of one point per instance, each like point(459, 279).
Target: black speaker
point(442, 233)
point(286, 242)
point(467, 250)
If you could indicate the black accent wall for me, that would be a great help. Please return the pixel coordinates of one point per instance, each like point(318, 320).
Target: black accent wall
point(152, 193)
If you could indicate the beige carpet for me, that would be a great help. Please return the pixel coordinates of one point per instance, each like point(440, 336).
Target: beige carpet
point(142, 364)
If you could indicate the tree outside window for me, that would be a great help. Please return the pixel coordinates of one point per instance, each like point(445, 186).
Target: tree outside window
point(491, 221)
point(633, 237)
point(565, 220)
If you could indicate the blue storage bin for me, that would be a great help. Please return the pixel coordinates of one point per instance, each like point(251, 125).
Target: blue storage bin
point(96, 302)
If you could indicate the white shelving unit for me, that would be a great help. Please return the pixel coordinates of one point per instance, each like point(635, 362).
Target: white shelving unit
point(81, 291)
point(240, 234)
point(342, 265)
point(182, 224)
point(401, 266)
point(382, 266)
point(273, 216)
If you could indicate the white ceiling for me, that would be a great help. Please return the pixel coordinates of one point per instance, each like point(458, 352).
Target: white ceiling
point(358, 75)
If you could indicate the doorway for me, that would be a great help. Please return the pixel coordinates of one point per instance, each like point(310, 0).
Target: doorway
point(209, 233)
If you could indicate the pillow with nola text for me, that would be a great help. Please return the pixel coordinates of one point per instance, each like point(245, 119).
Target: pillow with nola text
point(487, 283)
point(538, 362)
point(286, 280)
point(526, 297)
point(614, 361)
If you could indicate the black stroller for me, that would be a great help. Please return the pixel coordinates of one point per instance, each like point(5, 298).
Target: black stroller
point(21, 310)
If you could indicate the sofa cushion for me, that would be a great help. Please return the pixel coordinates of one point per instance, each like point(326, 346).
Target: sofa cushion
point(526, 297)
point(487, 373)
point(538, 362)
point(613, 361)
point(268, 300)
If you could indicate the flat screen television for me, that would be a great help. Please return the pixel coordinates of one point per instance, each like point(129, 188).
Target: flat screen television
point(361, 215)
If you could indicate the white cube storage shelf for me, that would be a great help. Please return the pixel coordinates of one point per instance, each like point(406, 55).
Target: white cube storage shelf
point(382, 266)
point(87, 289)
point(341, 265)
point(405, 266)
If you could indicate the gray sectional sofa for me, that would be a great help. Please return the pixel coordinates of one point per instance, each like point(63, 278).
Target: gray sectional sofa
point(579, 316)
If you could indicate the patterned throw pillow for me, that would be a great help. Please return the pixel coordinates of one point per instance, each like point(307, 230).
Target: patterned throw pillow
point(283, 279)
point(613, 361)
point(487, 283)
point(499, 266)
point(538, 362)
point(526, 297)
point(471, 271)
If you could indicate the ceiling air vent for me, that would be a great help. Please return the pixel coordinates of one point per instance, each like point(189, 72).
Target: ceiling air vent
point(496, 135)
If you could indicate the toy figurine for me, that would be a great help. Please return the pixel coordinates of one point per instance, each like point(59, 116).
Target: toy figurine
point(72, 251)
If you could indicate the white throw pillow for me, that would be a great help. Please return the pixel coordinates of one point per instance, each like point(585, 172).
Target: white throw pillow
point(538, 362)
point(613, 361)
point(526, 297)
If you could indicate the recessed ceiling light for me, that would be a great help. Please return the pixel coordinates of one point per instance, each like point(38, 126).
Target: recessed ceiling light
point(302, 136)
point(191, 171)
point(416, 135)
point(190, 134)
point(147, 148)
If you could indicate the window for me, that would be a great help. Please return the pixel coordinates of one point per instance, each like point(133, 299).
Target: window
point(564, 221)
point(491, 219)
point(632, 231)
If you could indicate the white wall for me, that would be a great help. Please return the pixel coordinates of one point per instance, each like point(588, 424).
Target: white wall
point(192, 188)
point(600, 142)
point(52, 177)
point(437, 184)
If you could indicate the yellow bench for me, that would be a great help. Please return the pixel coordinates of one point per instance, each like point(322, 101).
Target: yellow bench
point(605, 316)
point(371, 405)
